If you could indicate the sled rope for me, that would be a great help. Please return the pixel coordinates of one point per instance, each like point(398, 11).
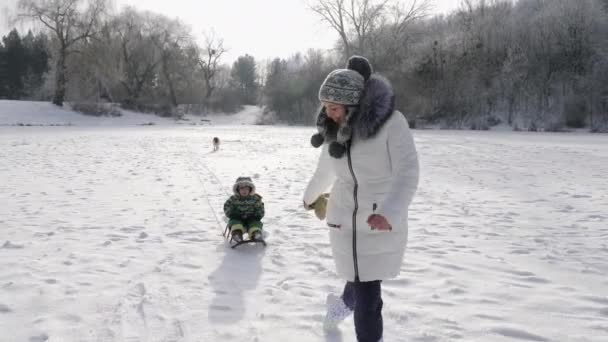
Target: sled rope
point(205, 192)
point(193, 161)
point(209, 172)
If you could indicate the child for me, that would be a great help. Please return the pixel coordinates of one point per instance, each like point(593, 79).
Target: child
point(244, 210)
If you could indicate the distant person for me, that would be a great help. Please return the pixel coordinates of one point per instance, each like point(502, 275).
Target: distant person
point(245, 211)
point(370, 162)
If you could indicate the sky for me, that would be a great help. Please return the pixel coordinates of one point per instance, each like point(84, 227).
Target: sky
point(262, 28)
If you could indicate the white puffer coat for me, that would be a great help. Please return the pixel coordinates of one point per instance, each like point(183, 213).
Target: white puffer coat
point(377, 175)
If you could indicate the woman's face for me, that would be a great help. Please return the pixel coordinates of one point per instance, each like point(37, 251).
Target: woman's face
point(335, 111)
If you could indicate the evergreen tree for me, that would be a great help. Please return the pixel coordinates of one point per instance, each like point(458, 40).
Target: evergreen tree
point(37, 59)
point(244, 78)
point(3, 71)
point(16, 64)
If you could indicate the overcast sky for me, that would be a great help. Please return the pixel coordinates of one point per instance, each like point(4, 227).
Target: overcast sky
point(262, 28)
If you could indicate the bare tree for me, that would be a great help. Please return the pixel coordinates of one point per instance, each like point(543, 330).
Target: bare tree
point(334, 13)
point(209, 61)
point(95, 67)
point(389, 40)
point(362, 18)
point(139, 56)
point(170, 37)
point(70, 21)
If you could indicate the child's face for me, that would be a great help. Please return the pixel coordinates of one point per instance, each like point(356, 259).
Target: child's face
point(244, 191)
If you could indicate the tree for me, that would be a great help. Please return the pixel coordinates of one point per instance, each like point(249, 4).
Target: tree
point(16, 64)
point(356, 21)
point(291, 87)
point(170, 37)
point(138, 55)
point(209, 62)
point(95, 70)
point(275, 88)
point(244, 77)
point(142, 60)
point(37, 60)
point(333, 12)
point(3, 72)
point(70, 22)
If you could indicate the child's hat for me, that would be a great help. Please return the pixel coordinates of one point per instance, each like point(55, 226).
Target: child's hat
point(243, 181)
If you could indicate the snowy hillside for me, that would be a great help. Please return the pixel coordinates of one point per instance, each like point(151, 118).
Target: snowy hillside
point(115, 235)
point(46, 114)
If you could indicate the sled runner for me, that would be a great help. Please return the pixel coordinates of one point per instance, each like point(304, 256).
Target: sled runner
point(233, 244)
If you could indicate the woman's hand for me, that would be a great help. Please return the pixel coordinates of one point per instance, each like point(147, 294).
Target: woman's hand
point(378, 222)
point(320, 206)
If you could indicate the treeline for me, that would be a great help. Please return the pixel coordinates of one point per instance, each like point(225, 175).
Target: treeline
point(535, 64)
point(140, 60)
point(530, 64)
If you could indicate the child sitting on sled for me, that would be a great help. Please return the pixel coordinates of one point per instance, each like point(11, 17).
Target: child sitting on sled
point(245, 211)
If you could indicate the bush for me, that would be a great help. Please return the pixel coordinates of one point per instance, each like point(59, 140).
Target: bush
point(412, 123)
point(225, 101)
point(533, 126)
point(479, 125)
point(516, 127)
point(162, 110)
point(193, 108)
point(557, 126)
point(575, 110)
point(267, 118)
point(493, 121)
point(600, 126)
point(96, 109)
point(599, 129)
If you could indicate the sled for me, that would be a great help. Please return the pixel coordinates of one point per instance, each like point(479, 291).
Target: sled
point(227, 235)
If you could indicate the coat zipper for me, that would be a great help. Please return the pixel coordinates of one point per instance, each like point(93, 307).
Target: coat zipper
point(355, 189)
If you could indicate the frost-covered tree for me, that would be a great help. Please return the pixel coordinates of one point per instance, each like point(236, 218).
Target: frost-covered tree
point(69, 22)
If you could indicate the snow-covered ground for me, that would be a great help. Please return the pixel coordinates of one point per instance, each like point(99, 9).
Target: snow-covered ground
point(114, 234)
point(37, 113)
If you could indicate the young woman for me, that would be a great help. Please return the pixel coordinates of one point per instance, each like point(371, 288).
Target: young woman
point(370, 162)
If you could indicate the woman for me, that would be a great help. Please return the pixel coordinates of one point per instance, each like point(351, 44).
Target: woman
point(369, 160)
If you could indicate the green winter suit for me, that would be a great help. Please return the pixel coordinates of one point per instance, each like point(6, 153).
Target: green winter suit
point(244, 212)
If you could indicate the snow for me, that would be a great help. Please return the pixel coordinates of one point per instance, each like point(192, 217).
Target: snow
point(114, 234)
point(36, 113)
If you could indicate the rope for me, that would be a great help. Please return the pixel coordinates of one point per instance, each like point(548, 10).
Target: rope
point(206, 193)
point(209, 172)
point(192, 160)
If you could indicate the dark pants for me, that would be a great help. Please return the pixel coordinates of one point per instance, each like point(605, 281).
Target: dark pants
point(365, 299)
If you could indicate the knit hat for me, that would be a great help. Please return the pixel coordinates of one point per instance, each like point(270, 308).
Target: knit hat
point(243, 181)
point(342, 86)
point(346, 87)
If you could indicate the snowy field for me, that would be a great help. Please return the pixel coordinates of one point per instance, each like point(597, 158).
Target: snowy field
point(114, 234)
point(37, 113)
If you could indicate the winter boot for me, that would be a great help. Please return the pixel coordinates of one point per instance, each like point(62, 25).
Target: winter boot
point(337, 311)
point(237, 236)
point(256, 236)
